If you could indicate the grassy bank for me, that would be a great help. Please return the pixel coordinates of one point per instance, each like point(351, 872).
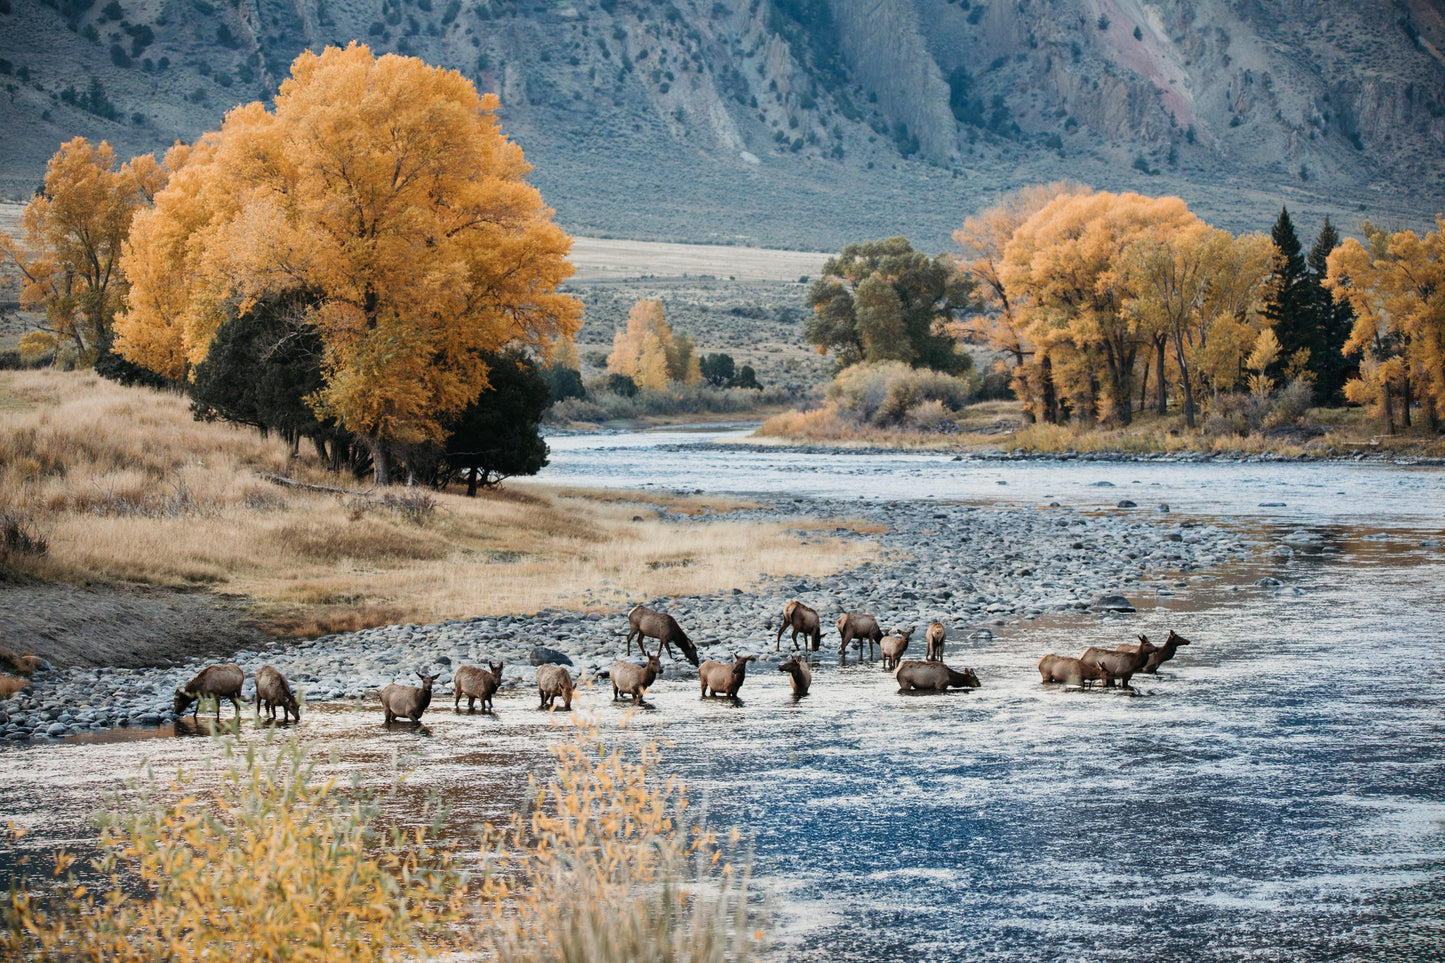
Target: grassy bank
point(1327, 432)
point(120, 486)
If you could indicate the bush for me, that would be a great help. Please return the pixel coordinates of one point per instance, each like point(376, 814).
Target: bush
point(883, 393)
point(676, 399)
point(19, 536)
point(564, 382)
point(1242, 414)
point(621, 385)
point(113, 367)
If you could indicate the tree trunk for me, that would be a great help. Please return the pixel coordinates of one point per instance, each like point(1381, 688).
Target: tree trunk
point(471, 483)
point(1389, 396)
point(1406, 398)
point(1184, 384)
point(320, 444)
point(1160, 345)
point(1144, 389)
point(380, 467)
point(1048, 397)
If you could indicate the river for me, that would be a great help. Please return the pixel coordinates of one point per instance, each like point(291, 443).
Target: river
point(1276, 793)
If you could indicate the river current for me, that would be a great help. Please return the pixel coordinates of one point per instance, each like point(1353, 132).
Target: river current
point(1277, 792)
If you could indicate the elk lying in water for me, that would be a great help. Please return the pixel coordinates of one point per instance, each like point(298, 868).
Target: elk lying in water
point(1160, 655)
point(1121, 665)
point(475, 684)
point(859, 626)
point(406, 700)
point(933, 676)
point(273, 689)
point(1061, 668)
point(800, 618)
point(644, 622)
point(934, 638)
point(893, 648)
point(554, 681)
point(723, 678)
point(800, 675)
point(635, 679)
point(215, 681)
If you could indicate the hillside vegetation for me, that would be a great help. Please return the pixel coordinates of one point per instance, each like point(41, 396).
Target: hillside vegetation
point(768, 121)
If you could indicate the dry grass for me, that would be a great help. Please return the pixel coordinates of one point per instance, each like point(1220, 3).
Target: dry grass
point(9, 685)
point(126, 487)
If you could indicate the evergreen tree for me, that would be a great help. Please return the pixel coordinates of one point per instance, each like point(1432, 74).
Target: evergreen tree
point(718, 369)
point(1332, 320)
point(496, 436)
point(1290, 306)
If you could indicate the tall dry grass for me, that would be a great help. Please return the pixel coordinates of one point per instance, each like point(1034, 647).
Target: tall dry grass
point(275, 865)
point(125, 487)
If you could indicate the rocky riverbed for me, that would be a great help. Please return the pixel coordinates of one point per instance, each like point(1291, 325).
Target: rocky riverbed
point(969, 567)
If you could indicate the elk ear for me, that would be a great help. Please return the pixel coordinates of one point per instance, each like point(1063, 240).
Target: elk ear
point(1143, 638)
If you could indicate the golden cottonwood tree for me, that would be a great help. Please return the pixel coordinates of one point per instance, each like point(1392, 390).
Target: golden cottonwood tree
point(68, 257)
point(649, 353)
point(1396, 284)
point(383, 192)
point(1064, 269)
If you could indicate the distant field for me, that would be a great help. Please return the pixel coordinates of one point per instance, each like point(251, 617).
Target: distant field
point(605, 259)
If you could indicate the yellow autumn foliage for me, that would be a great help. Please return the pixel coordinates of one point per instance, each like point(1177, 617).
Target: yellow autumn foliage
point(648, 352)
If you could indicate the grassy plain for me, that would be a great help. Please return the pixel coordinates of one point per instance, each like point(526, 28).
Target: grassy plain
point(124, 488)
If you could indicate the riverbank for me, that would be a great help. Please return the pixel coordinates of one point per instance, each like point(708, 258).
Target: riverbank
point(970, 567)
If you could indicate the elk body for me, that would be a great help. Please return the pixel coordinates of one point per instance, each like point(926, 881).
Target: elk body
point(1160, 655)
point(933, 676)
point(1061, 668)
point(802, 619)
point(724, 678)
point(407, 700)
point(476, 684)
point(1121, 665)
point(857, 625)
point(800, 675)
point(273, 689)
point(634, 679)
point(935, 638)
point(215, 681)
point(893, 648)
point(554, 681)
point(647, 623)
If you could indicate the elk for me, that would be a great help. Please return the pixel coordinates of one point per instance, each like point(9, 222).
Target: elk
point(1061, 668)
point(1121, 665)
point(934, 676)
point(1160, 655)
point(800, 676)
point(934, 638)
point(644, 622)
point(635, 679)
point(801, 619)
point(406, 700)
point(856, 625)
point(475, 683)
point(723, 678)
point(214, 681)
point(893, 648)
point(554, 681)
point(273, 689)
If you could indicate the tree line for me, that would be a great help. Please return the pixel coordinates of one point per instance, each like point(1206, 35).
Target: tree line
point(364, 265)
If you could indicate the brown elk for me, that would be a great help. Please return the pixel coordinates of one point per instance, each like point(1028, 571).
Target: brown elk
point(934, 638)
point(635, 679)
point(724, 678)
point(273, 689)
point(214, 681)
point(1061, 668)
point(933, 676)
point(475, 684)
point(800, 675)
point(1160, 655)
point(893, 648)
point(1121, 665)
point(554, 681)
point(406, 700)
point(800, 618)
point(859, 626)
point(644, 622)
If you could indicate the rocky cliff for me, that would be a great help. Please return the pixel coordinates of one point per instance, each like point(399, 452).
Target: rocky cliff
point(810, 122)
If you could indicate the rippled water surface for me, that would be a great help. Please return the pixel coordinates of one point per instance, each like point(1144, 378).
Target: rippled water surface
point(1276, 793)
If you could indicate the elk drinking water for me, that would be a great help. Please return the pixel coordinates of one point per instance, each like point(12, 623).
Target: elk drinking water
point(648, 623)
point(273, 690)
point(933, 676)
point(214, 681)
point(554, 681)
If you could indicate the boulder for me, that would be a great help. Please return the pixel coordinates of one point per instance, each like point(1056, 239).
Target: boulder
point(1111, 603)
point(541, 655)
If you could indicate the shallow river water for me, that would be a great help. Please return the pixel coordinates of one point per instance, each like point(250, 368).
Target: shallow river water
point(1276, 793)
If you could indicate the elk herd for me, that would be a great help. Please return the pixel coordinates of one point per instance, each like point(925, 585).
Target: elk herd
point(717, 679)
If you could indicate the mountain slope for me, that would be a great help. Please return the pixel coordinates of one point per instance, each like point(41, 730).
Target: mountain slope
point(808, 123)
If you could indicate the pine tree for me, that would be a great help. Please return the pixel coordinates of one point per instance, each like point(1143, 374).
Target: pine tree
point(1332, 320)
point(1290, 307)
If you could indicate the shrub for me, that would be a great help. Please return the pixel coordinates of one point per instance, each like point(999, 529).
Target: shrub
point(620, 384)
point(882, 393)
point(1242, 414)
point(19, 536)
point(564, 382)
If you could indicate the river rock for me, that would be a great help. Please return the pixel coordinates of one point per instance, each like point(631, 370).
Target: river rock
point(1268, 582)
point(1111, 603)
point(541, 655)
point(1127, 504)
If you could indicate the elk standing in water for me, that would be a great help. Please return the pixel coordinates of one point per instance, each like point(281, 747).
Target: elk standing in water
point(933, 676)
point(644, 622)
point(406, 700)
point(893, 648)
point(1061, 668)
point(723, 678)
point(800, 676)
point(860, 626)
point(216, 681)
point(934, 638)
point(273, 690)
point(635, 679)
point(800, 618)
point(1160, 655)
